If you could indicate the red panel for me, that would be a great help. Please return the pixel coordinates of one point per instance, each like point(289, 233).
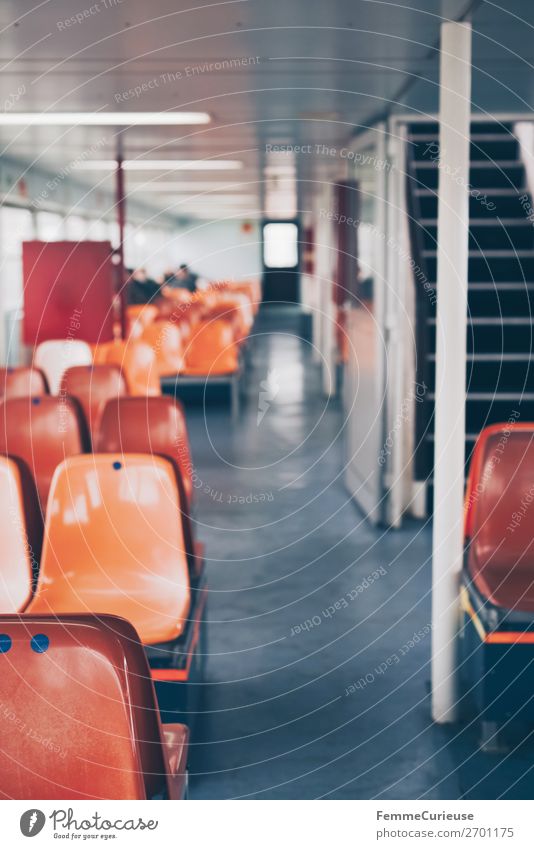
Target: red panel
point(68, 291)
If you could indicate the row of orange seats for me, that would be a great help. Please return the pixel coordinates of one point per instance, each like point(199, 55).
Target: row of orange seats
point(117, 535)
point(197, 334)
point(117, 542)
point(102, 589)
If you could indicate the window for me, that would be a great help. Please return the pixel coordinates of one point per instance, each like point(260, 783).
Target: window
point(280, 245)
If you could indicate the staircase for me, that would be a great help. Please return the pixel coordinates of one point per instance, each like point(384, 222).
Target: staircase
point(500, 376)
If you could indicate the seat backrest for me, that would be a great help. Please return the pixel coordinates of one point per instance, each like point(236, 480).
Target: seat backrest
point(114, 544)
point(21, 381)
point(55, 356)
point(42, 431)
point(138, 364)
point(79, 718)
point(94, 386)
point(212, 348)
point(138, 317)
point(20, 535)
point(165, 339)
point(148, 425)
point(499, 497)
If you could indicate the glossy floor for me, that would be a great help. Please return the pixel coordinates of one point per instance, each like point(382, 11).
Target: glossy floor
point(317, 686)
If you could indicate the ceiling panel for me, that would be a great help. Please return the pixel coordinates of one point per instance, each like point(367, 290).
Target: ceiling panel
point(292, 71)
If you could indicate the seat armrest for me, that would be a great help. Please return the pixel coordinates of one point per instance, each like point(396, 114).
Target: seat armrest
point(176, 747)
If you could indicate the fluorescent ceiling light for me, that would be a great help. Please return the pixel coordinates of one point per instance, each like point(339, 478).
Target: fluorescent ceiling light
point(101, 119)
point(191, 186)
point(277, 170)
point(216, 199)
point(162, 165)
point(178, 186)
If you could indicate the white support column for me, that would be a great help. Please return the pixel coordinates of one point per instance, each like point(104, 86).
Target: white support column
point(451, 338)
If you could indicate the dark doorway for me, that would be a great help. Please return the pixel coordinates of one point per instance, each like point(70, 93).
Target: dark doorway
point(281, 261)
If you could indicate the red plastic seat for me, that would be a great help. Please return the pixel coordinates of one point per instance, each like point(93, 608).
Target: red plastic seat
point(20, 533)
point(22, 381)
point(94, 386)
point(42, 431)
point(114, 544)
point(80, 720)
point(148, 425)
point(498, 521)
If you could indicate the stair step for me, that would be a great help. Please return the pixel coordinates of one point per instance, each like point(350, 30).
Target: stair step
point(504, 285)
point(493, 358)
point(484, 222)
point(482, 127)
point(494, 396)
point(497, 266)
point(491, 236)
point(491, 338)
point(476, 163)
point(496, 322)
point(505, 191)
point(491, 254)
point(496, 376)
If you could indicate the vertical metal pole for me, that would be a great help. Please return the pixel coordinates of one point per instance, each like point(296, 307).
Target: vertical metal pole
point(451, 333)
point(121, 220)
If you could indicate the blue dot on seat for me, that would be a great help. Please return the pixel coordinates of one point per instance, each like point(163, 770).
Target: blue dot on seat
point(40, 643)
point(5, 643)
point(36, 400)
point(117, 465)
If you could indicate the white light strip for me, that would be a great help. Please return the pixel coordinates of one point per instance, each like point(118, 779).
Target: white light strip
point(216, 199)
point(182, 185)
point(186, 188)
point(101, 119)
point(162, 165)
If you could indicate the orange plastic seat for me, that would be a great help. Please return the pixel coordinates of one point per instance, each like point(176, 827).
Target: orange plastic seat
point(100, 352)
point(55, 356)
point(498, 529)
point(80, 717)
point(212, 350)
point(21, 535)
point(148, 425)
point(240, 303)
point(22, 381)
point(42, 431)
point(136, 360)
point(94, 386)
point(231, 314)
point(138, 317)
point(165, 339)
point(114, 544)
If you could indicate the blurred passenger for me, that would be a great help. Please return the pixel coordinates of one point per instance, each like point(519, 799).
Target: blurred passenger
point(183, 279)
point(170, 279)
point(141, 288)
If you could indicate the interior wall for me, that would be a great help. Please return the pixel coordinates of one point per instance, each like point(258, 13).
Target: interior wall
point(219, 249)
point(364, 395)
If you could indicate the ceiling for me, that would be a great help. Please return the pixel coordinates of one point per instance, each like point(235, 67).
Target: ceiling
point(302, 72)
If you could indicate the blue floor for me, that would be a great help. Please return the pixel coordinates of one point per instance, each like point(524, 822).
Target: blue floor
point(319, 625)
